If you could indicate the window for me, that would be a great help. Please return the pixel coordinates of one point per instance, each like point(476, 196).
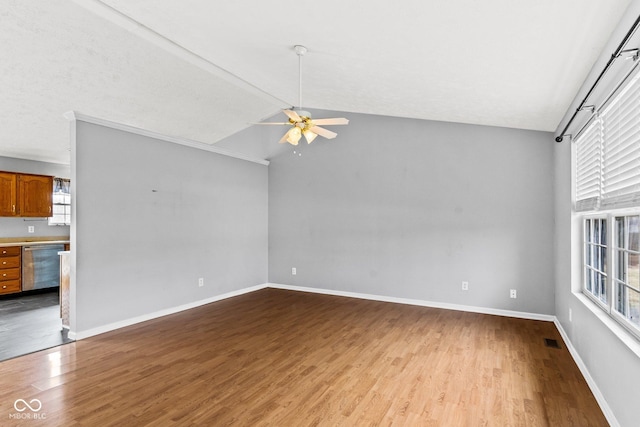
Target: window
point(627, 269)
point(607, 195)
point(61, 202)
point(608, 154)
point(595, 258)
point(611, 243)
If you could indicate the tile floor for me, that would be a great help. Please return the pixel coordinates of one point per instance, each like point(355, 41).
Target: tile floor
point(30, 323)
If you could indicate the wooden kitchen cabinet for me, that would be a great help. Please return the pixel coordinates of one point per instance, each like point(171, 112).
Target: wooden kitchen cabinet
point(35, 195)
point(8, 193)
point(25, 195)
point(10, 263)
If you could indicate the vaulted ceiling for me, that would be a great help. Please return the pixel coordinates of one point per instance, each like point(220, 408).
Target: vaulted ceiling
point(204, 70)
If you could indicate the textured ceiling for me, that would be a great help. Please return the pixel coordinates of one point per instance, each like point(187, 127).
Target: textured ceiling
point(58, 56)
point(204, 70)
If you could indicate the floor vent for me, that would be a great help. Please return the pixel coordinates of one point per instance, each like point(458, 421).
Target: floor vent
point(551, 343)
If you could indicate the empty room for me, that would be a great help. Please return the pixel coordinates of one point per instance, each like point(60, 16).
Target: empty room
point(320, 213)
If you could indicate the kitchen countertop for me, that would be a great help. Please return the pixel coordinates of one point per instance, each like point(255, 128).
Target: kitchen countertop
point(21, 241)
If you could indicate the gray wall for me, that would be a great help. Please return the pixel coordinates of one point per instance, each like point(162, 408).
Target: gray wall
point(17, 227)
point(411, 208)
point(612, 365)
point(151, 217)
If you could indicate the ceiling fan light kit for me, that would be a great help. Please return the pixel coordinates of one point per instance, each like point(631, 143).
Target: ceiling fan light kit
point(292, 136)
point(300, 120)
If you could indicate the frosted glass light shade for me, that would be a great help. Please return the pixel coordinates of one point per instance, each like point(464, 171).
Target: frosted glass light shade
point(310, 136)
point(294, 135)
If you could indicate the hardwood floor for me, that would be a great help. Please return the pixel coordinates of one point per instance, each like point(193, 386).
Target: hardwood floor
point(284, 358)
point(30, 323)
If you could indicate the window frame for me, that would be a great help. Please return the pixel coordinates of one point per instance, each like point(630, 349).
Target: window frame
point(596, 216)
point(627, 323)
point(611, 264)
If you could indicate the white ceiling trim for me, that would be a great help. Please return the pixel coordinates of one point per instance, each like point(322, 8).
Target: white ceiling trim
point(73, 116)
point(107, 12)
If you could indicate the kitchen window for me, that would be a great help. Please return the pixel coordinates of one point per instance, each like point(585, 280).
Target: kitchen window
point(61, 202)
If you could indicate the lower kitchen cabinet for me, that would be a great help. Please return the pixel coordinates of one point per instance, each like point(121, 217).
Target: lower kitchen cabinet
point(10, 264)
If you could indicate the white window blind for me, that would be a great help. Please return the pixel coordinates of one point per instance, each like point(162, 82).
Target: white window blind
point(608, 154)
point(589, 167)
point(621, 166)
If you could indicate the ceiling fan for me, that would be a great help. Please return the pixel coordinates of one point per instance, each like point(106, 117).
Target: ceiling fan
point(300, 121)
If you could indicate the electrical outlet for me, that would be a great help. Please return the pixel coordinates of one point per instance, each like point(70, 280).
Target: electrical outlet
point(465, 286)
point(293, 271)
point(513, 294)
point(201, 282)
point(31, 228)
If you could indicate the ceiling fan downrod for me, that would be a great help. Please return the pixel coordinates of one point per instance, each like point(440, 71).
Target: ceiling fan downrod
point(300, 51)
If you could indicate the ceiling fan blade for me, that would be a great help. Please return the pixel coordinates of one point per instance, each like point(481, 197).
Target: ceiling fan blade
point(336, 121)
point(284, 138)
point(323, 132)
point(292, 115)
point(271, 123)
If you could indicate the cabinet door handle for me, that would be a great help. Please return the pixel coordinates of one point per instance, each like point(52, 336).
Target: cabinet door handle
point(4, 287)
point(13, 208)
point(4, 274)
point(4, 262)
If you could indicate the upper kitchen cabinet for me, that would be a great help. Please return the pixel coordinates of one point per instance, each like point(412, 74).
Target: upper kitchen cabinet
point(35, 194)
point(25, 195)
point(8, 194)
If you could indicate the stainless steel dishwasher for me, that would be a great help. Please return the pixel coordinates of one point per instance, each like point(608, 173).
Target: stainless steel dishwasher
point(40, 266)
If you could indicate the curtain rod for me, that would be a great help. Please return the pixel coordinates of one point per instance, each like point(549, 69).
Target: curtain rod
point(614, 56)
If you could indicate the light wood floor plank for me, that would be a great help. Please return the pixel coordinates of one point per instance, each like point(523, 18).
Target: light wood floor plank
point(281, 358)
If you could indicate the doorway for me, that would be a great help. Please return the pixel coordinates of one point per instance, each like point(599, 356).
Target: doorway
point(30, 323)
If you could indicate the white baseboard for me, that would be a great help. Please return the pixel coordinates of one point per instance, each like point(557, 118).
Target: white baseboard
point(171, 310)
point(602, 402)
point(79, 335)
point(423, 303)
